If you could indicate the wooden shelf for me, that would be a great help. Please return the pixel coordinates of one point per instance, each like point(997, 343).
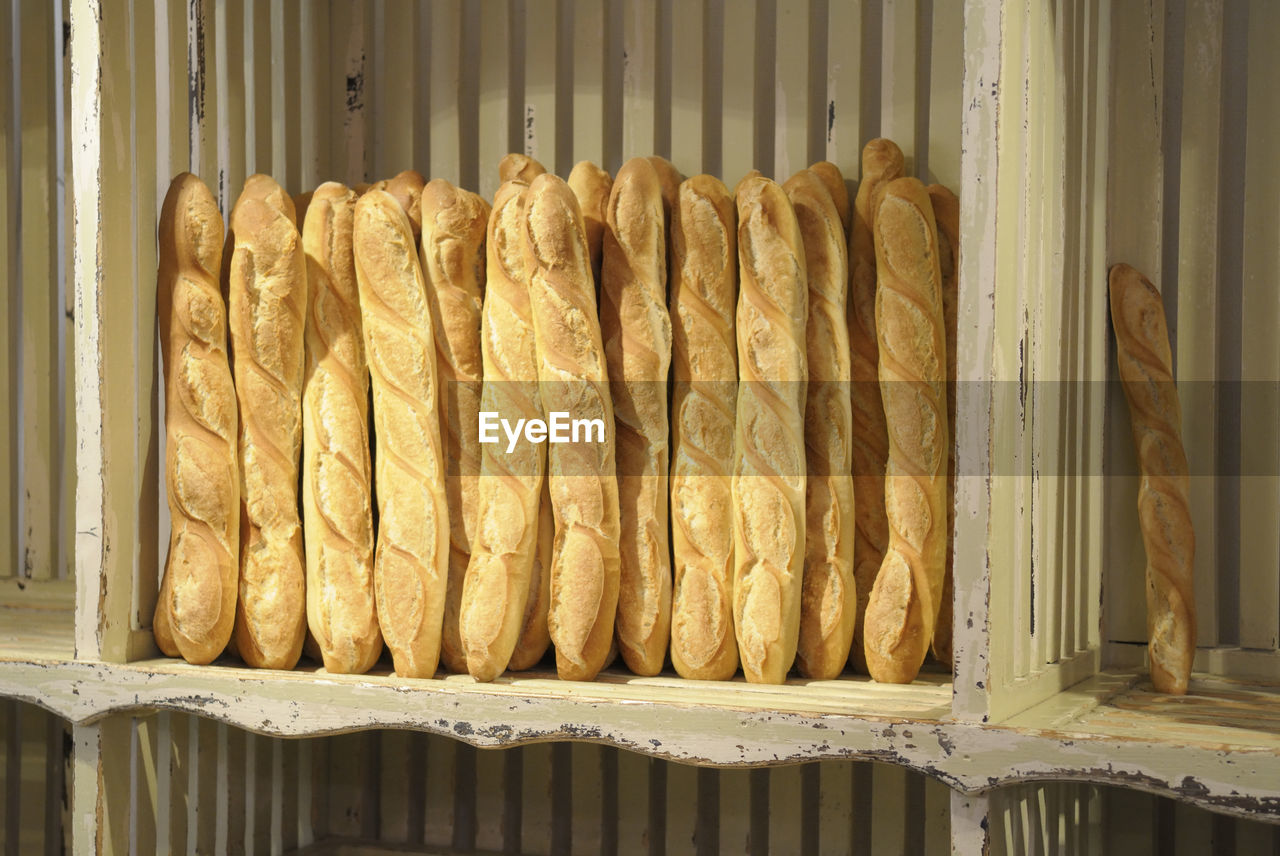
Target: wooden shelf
point(1219, 746)
point(1216, 713)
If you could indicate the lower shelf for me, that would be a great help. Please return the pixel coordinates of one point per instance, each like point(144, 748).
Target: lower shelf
point(1219, 746)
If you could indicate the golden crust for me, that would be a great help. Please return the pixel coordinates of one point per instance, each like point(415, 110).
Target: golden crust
point(571, 369)
point(828, 602)
point(1164, 513)
point(411, 558)
point(195, 611)
point(267, 311)
point(769, 456)
point(903, 606)
point(704, 285)
point(637, 339)
point(336, 473)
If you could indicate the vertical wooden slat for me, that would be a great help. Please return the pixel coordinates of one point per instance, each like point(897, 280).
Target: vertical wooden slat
point(946, 69)
point(10, 330)
point(464, 798)
point(314, 97)
point(37, 360)
point(513, 800)
point(562, 815)
point(835, 807)
point(490, 798)
point(1195, 346)
point(844, 87)
point(493, 99)
point(538, 115)
point(970, 824)
point(764, 88)
point(815, 122)
point(688, 65)
point(888, 807)
point(105, 391)
point(99, 795)
point(446, 22)
point(633, 804)
point(737, 81)
point(391, 60)
point(681, 808)
point(786, 807)
point(393, 821)
point(735, 811)
point(638, 44)
point(790, 120)
point(585, 792)
point(231, 787)
point(707, 833)
point(1134, 193)
point(937, 816)
point(713, 87)
point(565, 50)
point(662, 74)
point(1234, 598)
point(536, 787)
point(1259, 346)
point(898, 115)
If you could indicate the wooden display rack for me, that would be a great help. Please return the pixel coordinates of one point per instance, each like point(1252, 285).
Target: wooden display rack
point(1057, 137)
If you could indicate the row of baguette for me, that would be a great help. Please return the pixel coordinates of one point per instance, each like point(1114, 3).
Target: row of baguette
point(783, 508)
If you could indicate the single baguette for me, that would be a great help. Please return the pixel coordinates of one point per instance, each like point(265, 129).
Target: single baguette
point(196, 607)
point(946, 213)
point(267, 311)
point(452, 254)
point(518, 167)
point(637, 342)
point(882, 162)
point(704, 292)
point(903, 607)
point(1146, 369)
point(535, 638)
point(833, 179)
point(574, 379)
point(828, 603)
point(506, 545)
point(769, 458)
point(411, 559)
point(337, 501)
point(592, 185)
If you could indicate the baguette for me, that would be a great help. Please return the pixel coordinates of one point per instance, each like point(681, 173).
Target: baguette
point(452, 255)
point(267, 312)
point(882, 162)
point(769, 458)
point(592, 185)
point(1146, 369)
point(704, 285)
point(411, 558)
point(903, 607)
point(506, 547)
point(637, 341)
point(337, 500)
point(573, 378)
point(196, 608)
point(828, 602)
point(518, 167)
point(831, 177)
point(946, 213)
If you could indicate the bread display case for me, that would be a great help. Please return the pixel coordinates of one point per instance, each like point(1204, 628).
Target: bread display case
point(1077, 133)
